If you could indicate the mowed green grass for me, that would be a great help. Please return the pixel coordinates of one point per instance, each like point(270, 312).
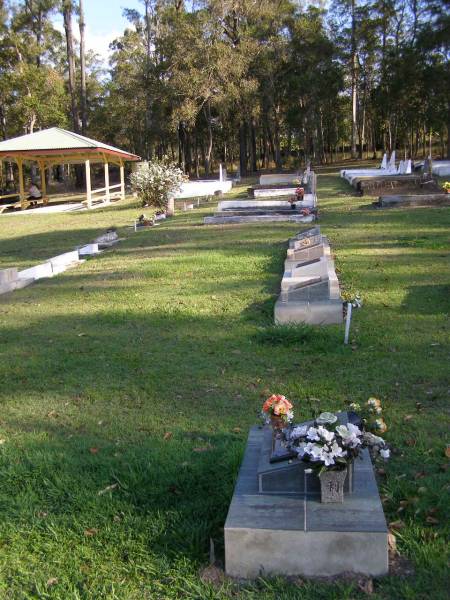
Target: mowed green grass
point(143, 369)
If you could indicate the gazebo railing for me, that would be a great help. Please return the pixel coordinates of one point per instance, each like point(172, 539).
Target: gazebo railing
point(102, 195)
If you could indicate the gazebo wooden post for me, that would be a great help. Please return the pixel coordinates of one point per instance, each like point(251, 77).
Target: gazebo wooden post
point(43, 182)
point(107, 192)
point(122, 181)
point(88, 183)
point(23, 202)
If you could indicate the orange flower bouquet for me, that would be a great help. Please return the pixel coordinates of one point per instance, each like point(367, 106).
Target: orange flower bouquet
point(277, 410)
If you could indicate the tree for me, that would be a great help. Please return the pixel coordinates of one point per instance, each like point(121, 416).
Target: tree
point(83, 103)
point(67, 8)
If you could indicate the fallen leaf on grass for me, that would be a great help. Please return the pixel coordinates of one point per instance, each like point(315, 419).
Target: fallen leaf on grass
point(168, 435)
point(52, 413)
point(396, 525)
point(2, 441)
point(174, 490)
point(212, 575)
point(93, 450)
point(81, 334)
point(447, 452)
point(407, 418)
point(420, 475)
point(237, 430)
point(52, 581)
point(202, 448)
point(411, 442)
point(90, 532)
point(432, 520)
point(366, 585)
point(108, 488)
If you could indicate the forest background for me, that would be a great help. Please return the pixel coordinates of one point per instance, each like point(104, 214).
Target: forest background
point(252, 84)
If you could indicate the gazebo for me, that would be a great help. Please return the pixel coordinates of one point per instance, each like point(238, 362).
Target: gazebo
point(56, 146)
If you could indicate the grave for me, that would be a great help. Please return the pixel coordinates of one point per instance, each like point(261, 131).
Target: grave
point(106, 240)
point(10, 280)
point(310, 272)
point(88, 250)
point(276, 524)
point(314, 303)
point(272, 192)
point(401, 200)
point(252, 210)
point(310, 290)
point(258, 218)
point(276, 178)
point(297, 257)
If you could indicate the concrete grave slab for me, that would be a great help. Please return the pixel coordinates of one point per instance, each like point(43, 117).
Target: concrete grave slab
point(8, 275)
point(62, 261)
point(279, 178)
point(315, 304)
point(304, 242)
point(229, 220)
point(297, 257)
point(37, 272)
point(294, 534)
point(319, 267)
point(274, 192)
point(88, 250)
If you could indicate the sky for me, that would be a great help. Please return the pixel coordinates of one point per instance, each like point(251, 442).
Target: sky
point(104, 23)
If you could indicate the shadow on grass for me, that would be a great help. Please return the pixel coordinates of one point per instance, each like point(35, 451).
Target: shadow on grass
point(427, 299)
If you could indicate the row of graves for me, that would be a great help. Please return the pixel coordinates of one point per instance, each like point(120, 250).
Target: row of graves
point(277, 197)
point(400, 185)
point(12, 279)
point(309, 288)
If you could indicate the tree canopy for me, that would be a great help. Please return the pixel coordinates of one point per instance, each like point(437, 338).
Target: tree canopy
point(254, 84)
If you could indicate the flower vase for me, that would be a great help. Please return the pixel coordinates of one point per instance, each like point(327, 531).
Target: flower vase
point(332, 486)
point(277, 422)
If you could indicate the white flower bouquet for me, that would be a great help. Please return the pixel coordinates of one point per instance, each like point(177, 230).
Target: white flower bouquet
point(328, 446)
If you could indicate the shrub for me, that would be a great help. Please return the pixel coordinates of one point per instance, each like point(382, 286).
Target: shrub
point(156, 181)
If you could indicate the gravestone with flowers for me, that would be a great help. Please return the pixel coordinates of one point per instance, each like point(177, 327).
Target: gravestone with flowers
point(306, 501)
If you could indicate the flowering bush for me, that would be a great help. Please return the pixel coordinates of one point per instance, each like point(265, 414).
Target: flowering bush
point(156, 181)
point(328, 446)
point(278, 406)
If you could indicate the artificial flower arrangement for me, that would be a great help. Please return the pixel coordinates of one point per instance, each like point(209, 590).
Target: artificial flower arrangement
point(277, 410)
point(446, 186)
point(327, 446)
point(300, 192)
point(371, 414)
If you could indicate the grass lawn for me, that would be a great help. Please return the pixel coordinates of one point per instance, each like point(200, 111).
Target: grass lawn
point(129, 384)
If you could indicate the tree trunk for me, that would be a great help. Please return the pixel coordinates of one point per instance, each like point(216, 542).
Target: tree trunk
point(253, 146)
point(243, 148)
point(67, 13)
point(82, 26)
point(354, 59)
point(277, 143)
point(207, 113)
point(448, 131)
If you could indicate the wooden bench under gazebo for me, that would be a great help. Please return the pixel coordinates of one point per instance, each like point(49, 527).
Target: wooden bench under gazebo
point(55, 146)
